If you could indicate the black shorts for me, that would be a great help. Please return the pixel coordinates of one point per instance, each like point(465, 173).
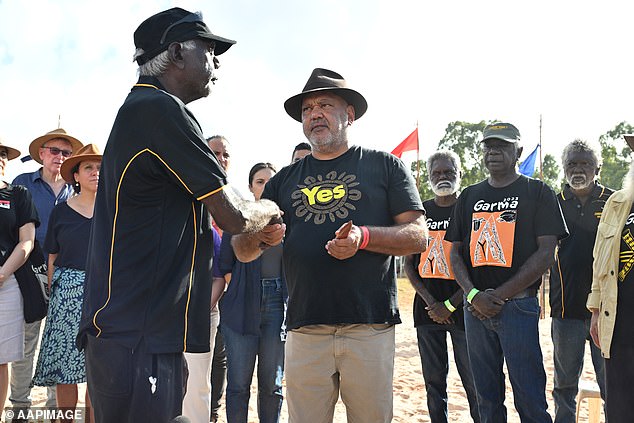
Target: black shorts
point(131, 385)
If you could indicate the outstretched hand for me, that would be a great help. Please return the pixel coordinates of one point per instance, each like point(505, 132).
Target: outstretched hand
point(346, 242)
point(272, 234)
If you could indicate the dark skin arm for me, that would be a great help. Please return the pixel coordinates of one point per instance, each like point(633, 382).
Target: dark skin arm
point(436, 310)
point(237, 215)
point(488, 304)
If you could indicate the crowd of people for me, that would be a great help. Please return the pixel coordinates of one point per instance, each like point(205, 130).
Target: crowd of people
point(164, 281)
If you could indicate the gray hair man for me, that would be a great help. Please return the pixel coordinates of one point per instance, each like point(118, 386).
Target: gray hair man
point(437, 307)
point(582, 201)
point(147, 293)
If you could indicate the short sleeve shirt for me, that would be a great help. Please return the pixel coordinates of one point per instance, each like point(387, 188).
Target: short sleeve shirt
point(16, 210)
point(67, 236)
point(318, 196)
point(571, 275)
point(499, 227)
point(149, 263)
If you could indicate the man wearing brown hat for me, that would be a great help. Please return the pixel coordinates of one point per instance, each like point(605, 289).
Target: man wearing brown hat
point(348, 210)
point(148, 274)
point(47, 188)
point(504, 231)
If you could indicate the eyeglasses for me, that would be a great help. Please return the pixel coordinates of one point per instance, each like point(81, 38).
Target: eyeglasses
point(55, 151)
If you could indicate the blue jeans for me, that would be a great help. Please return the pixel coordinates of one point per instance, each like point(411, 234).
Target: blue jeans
point(569, 343)
point(432, 346)
point(512, 335)
point(269, 349)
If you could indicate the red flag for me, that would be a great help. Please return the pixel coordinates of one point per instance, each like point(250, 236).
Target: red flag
point(410, 143)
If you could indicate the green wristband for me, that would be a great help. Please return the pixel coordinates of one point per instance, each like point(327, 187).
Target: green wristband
point(449, 306)
point(471, 294)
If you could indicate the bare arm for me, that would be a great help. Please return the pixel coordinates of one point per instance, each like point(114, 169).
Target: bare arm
point(26, 240)
point(50, 269)
point(416, 281)
point(483, 305)
point(408, 236)
point(217, 289)
point(237, 215)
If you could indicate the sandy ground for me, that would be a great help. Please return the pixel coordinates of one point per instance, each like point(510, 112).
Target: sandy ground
point(409, 390)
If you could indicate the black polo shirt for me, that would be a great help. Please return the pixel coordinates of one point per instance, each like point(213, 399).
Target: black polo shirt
point(571, 275)
point(150, 253)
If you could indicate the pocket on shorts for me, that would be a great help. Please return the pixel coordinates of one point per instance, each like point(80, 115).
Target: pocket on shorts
point(109, 367)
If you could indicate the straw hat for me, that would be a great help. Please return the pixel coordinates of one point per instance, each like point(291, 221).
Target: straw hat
point(12, 153)
point(34, 147)
point(89, 152)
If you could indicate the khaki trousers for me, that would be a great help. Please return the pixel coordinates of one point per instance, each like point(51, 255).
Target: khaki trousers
point(356, 361)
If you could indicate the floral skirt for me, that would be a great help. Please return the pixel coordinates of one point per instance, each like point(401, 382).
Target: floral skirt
point(59, 361)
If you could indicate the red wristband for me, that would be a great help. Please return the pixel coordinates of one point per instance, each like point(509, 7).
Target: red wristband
point(366, 237)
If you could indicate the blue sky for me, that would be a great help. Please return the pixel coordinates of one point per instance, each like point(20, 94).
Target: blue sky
point(430, 62)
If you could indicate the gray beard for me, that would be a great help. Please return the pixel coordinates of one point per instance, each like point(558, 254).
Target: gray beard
point(578, 185)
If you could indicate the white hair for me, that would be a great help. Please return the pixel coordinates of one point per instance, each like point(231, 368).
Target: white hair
point(443, 154)
point(157, 65)
point(582, 146)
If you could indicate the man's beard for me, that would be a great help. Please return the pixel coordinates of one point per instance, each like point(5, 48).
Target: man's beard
point(445, 188)
point(579, 181)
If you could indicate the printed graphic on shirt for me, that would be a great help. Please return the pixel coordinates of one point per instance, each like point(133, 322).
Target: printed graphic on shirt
point(626, 256)
point(326, 197)
point(5, 204)
point(493, 233)
point(434, 261)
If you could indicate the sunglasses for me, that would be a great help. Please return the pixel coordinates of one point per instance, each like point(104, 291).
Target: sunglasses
point(55, 151)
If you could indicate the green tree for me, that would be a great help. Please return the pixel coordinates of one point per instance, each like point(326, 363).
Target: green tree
point(551, 172)
point(615, 154)
point(464, 139)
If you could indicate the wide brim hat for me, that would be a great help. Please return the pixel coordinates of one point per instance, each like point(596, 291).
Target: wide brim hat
point(89, 152)
point(326, 80)
point(12, 153)
point(156, 33)
point(34, 147)
point(629, 139)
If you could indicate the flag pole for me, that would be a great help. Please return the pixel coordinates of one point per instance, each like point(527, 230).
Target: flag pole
point(417, 160)
point(541, 164)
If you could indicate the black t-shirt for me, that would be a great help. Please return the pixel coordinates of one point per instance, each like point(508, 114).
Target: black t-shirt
point(317, 197)
point(623, 328)
point(16, 210)
point(149, 260)
point(499, 227)
point(571, 275)
point(67, 236)
point(434, 266)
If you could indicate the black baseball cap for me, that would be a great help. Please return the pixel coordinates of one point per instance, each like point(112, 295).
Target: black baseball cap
point(502, 131)
point(157, 32)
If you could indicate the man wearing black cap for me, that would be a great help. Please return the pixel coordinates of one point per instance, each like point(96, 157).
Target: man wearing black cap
point(148, 284)
point(340, 275)
point(503, 232)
